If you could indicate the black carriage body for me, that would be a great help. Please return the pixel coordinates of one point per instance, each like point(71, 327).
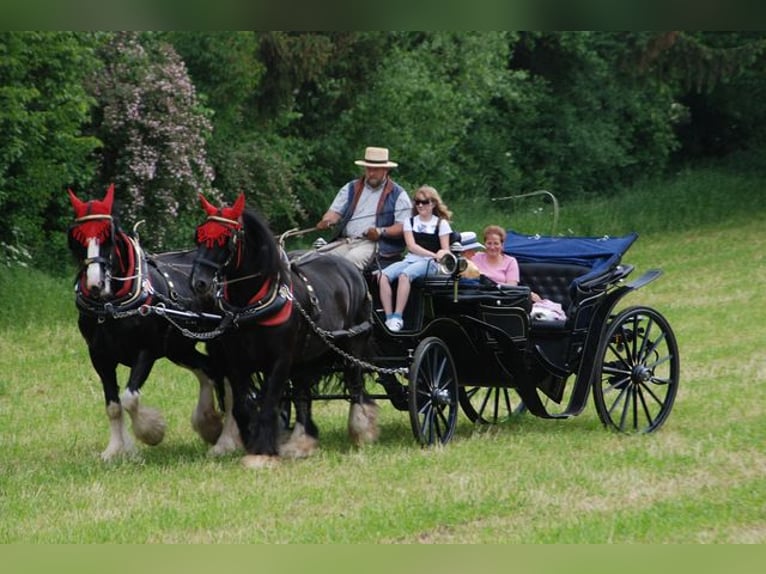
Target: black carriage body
point(488, 327)
point(495, 344)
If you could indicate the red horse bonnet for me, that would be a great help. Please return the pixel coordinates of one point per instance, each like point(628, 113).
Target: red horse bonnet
point(220, 222)
point(93, 218)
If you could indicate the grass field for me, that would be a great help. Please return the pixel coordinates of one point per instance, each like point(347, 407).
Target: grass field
point(700, 479)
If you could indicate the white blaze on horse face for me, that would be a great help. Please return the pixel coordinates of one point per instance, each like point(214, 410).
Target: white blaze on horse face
point(94, 277)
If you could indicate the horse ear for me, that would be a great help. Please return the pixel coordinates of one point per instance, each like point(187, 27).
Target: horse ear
point(209, 208)
point(109, 198)
point(239, 206)
point(78, 205)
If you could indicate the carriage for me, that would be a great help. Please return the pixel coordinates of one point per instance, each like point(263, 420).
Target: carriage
point(479, 347)
point(281, 323)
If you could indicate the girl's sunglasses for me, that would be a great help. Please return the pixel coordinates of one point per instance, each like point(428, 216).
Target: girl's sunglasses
point(422, 201)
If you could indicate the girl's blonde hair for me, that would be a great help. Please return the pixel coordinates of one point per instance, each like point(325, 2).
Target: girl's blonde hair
point(440, 208)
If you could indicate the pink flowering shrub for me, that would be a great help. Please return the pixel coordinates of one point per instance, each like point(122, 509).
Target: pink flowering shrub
point(154, 131)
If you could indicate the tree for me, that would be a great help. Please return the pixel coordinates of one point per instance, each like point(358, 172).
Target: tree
point(154, 131)
point(43, 149)
point(718, 80)
point(423, 100)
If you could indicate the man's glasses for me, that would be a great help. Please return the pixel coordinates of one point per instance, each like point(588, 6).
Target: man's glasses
point(422, 201)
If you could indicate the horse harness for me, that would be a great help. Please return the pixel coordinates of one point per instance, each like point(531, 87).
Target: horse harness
point(137, 291)
point(138, 295)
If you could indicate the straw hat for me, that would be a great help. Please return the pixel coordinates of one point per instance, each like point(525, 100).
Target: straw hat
point(468, 240)
point(376, 157)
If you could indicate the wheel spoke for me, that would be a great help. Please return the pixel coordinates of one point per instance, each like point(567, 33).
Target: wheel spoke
point(429, 424)
point(619, 384)
point(618, 399)
point(653, 349)
point(625, 360)
point(644, 339)
point(485, 402)
point(507, 400)
point(659, 361)
point(625, 410)
point(650, 392)
point(640, 392)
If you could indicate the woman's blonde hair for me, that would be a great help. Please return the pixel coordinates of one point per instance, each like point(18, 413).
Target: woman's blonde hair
point(440, 208)
point(494, 230)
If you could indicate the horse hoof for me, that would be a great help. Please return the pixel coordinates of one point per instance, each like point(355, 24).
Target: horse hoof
point(255, 461)
point(223, 447)
point(363, 424)
point(299, 445)
point(114, 454)
point(148, 425)
point(208, 426)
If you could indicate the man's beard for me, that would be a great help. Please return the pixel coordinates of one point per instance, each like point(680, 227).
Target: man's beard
point(375, 183)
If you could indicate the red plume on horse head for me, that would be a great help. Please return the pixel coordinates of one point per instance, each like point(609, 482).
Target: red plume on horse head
point(226, 212)
point(220, 222)
point(92, 218)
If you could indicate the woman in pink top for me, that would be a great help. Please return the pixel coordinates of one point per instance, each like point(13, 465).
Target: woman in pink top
point(493, 263)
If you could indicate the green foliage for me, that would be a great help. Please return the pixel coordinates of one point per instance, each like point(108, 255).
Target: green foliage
point(265, 169)
point(283, 115)
point(154, 132)
point(594, 129)
point(44, 148)
point(227, 73)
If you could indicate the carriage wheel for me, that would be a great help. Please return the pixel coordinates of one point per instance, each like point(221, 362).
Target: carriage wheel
point(490, 405)
point(433, 392)
point(638, 371)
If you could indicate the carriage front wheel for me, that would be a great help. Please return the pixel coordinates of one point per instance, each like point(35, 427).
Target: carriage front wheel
point(433, 392)
point(637, 374)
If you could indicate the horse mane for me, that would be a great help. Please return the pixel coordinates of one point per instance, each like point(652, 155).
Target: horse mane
point(259, 237)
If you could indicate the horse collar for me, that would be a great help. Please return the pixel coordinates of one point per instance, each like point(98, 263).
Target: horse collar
point(270, 306)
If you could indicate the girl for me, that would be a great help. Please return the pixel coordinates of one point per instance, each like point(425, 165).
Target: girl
point(426, 235)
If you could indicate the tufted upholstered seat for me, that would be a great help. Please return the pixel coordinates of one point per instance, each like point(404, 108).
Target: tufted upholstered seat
point(551, 280)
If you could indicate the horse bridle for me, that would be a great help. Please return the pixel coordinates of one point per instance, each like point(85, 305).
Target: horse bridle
point(107, 262)
point(234, 234)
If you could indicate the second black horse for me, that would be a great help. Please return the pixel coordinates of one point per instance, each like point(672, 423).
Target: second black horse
point(284, 320)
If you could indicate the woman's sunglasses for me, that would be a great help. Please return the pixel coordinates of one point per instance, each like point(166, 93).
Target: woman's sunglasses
point(422, 201)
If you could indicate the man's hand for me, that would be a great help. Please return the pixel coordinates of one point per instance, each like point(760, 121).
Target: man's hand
point(373, 234)
point(325, 224)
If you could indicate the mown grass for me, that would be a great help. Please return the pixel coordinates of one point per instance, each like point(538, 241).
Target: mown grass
point(700, 479)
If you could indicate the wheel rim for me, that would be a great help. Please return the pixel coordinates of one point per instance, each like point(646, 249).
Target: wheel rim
point(433, 393)
point(639, 370)
point(490, 405)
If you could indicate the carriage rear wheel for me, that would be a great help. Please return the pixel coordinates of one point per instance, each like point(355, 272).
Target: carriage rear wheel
point(490, 405)
point(433, 392)
point(637, 372)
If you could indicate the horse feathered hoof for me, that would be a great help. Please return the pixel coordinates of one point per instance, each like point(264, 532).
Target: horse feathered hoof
point(148, 423)
point(208, 425)
point(256, 461)
point(149, 426)
point(114, 454)
point(299, 444)
point(363, 423)
point(228, 442)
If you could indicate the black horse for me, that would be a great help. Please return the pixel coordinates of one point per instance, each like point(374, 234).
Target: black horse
point(117, 289)
point(284, 322)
